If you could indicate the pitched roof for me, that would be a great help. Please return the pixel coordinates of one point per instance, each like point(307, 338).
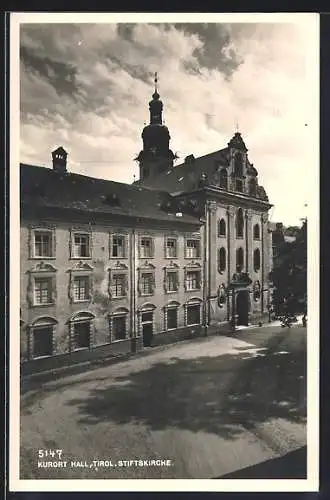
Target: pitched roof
point(186, 176)
point(44, 187)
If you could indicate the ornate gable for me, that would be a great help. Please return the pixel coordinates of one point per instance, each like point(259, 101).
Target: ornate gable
point(237, 142)
point(43, 267)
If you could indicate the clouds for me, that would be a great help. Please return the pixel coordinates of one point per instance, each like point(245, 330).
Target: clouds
point(87, 86)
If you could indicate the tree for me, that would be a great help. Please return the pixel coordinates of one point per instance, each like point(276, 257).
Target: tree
point(290, 275)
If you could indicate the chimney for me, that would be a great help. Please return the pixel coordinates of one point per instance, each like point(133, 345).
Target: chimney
point(189, 159)
point(59, 160)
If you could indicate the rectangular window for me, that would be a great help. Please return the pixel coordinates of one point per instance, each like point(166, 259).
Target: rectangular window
point(239, 185)
point(147, 317)
point(193, 280)
point(192, 248)
point(171, 248)
point(42, 341)
point(118, 247)
point(146, 248)
point(118, 285)
point(81, 288)
point(42, 291)
point(81, 247)
point(193, 315)
point(82, 334)
point(171, 281)
point(172, 318)
point(43, 244)
point(147, 281)
point(118, 327)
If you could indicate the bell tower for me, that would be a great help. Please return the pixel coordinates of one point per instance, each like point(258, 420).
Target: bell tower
point(155, 156)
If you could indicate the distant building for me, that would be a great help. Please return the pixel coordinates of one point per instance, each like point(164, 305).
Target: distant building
point(108, 267)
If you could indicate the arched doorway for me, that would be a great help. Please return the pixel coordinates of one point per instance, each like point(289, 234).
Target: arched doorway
point(243, 306)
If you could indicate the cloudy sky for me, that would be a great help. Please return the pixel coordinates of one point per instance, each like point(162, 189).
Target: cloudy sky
point(86, 87)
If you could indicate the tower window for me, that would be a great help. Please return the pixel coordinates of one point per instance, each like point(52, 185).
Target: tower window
point(238, 165)
point(239, 223)
point(239, 260)
point(221, 259)
point(256, 259)
point(221, 227)
point(252, 187)
point(256, 232)
point(239, 185)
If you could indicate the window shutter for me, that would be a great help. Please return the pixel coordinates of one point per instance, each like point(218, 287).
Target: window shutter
point(152, 247)
point(165, 281)
point(53, 289)
point(90, 287)
point(126, 237)
point(126, 284)
point(70, 290)
point(165, 246)
point(139, 283)
point(153, 282)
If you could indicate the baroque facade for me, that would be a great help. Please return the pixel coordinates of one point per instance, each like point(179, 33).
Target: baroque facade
point(108, 267)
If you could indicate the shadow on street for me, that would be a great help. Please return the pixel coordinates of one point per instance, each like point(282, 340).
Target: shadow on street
point(293, 465)
point(222, 395)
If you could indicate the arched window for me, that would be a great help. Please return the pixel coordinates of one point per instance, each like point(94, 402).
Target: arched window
point(223, 178)
point(118, 327)
point(256, 232)
point(221, 227)
point(239, 260)
point(42, 332)
point(239, 223)
point(221, 259)
point(252, 187)
point(256, 259)
point(238, 165)
point(81, 330)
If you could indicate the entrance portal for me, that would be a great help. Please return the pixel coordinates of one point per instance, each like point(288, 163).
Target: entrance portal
point(243, 306)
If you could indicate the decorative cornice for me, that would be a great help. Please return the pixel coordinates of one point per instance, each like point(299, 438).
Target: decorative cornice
point(43, 267)
point(81, 266)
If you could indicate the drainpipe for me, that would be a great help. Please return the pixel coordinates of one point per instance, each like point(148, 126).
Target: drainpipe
point(133, 290)
point(228, 261)
point(262, 263)
point(209, 263)
point(205, 272)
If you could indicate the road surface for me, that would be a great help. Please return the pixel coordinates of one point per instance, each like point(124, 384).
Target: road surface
point(205, 408)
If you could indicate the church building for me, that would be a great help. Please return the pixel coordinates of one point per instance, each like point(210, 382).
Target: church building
point(223, 188)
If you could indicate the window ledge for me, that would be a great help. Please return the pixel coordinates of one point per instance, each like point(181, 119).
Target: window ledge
point(111, 257)
point(81, 258)
point(42, 258)
point(169, 292)
point(44, 305)
point(42, 357)
point(147, 294)
point(171, 258)
point(116, 297)
point(81, 301)
point(115, 341)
